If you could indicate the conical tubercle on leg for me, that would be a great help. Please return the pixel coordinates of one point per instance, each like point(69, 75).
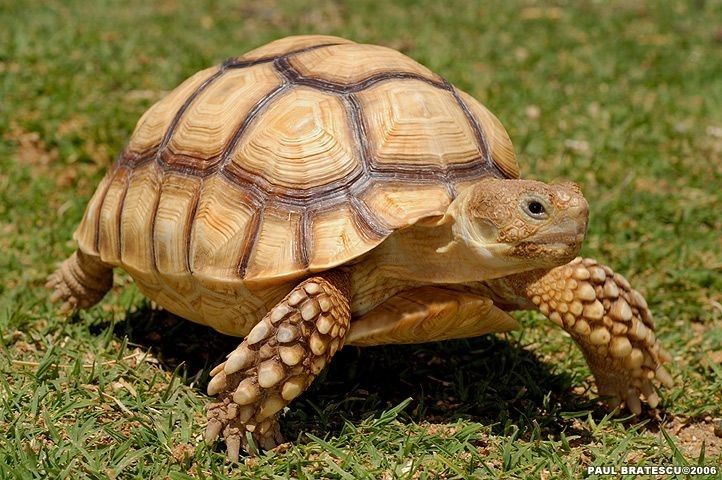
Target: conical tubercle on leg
point(276, 362)
point(610, 321)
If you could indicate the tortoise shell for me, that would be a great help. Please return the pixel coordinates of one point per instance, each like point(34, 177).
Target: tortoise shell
point(297, 157)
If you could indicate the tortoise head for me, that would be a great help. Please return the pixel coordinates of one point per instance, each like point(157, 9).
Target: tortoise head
point(517, 225)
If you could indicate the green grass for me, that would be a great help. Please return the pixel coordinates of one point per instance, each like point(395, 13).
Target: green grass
point(623, 97)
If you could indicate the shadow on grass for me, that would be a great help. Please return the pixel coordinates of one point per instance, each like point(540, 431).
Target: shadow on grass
point(486, 380)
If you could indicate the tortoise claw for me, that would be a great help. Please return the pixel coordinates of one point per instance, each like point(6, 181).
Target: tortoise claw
point(664, 377)
point(213, 429)
point(233, 446)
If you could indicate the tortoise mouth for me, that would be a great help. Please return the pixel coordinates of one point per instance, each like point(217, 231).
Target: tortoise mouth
point(558, 243)
point(570, 231)
point(560, 239)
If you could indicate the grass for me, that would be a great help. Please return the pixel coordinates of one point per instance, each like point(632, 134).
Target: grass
point(623, 97)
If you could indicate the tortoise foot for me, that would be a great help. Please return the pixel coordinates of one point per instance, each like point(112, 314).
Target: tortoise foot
point(224, 419)
point(613, 326)
point(81, 281)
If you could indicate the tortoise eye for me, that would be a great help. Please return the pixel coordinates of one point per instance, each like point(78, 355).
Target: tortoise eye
point(536, 209)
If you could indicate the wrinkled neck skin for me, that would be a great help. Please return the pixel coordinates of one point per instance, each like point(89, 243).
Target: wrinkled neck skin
point(511, 292)
point(423, 254)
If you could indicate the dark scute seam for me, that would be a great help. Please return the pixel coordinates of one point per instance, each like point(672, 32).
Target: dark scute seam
point(364, 217)
point(236, 62)
point(191, 223)
point(450, 189)
point(285, 67)
point(355, 119)
point(219, 162)
point(480, 136)
point(179, 114)
point(101, 202)
point(134, 159)
point(304, 239)
point(250, 241)
point(252, 114)
point(159, 192)
point(119, 220)
point(292, 196)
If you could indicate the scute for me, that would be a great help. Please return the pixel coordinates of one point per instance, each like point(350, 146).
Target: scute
point(353, 63)
point(502, 151)
point(223, 230)
point(109, 223)
point(399, 204)
point(87, 233)
point(302, 140)
point(173, 221)
point(151, 127)
point(279, 245)
point(412, 124)
point(289, 44)
point(338, 236)
point(207, 127)
point(137, 219)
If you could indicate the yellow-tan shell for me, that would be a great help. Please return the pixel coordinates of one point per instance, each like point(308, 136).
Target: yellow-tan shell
point(294, 158)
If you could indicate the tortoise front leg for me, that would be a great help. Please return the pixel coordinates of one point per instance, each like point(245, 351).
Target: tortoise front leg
point(611, 323)
point(277, 361)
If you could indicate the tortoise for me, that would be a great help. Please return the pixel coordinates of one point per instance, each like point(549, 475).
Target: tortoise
point(315, 193)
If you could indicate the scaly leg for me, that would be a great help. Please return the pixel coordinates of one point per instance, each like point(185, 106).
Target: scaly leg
point(610, 322)
point(277, 361)
point(81, 281)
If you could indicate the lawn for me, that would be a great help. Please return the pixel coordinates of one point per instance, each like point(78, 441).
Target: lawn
point(624, 98)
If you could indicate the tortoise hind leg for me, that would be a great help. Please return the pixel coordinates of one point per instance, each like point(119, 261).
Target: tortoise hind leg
point(81, 281)
point(277, 361)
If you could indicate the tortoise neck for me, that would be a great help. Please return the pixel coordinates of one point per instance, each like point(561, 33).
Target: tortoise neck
point(512, 292)
point(432, 254)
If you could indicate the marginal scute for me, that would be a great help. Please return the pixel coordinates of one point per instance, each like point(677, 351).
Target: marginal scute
point(222, 225)
point(86, 233)
point(277, 248)
point(137, 217)
point(398, 204)
point(352, 63)
point(338, 237)
point(109, 222)
point(179, 194)
point(151, 127)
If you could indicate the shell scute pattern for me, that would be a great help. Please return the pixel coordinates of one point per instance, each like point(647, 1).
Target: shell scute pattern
point(207, 127)
point(315, 142)
point(301, 141)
